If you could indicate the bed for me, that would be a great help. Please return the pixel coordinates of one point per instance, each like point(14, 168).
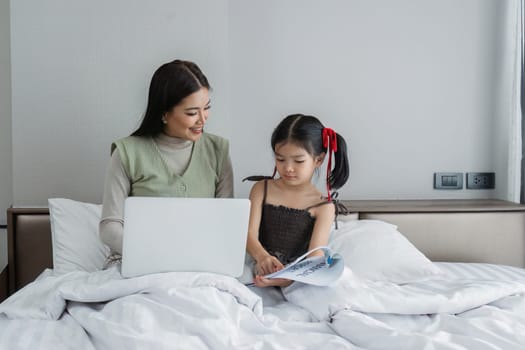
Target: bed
point(421, 274)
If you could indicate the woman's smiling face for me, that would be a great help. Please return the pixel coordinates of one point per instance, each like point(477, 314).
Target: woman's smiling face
point(186, 120)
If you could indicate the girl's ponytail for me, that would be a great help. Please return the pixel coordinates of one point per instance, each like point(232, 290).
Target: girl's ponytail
point(335, 145)
point(261, 177)
point(340, 173)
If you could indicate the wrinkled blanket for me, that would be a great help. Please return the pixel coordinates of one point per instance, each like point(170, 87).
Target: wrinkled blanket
point(435, 314)
point(102, 310)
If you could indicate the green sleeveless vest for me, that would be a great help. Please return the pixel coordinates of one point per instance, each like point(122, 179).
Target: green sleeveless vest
point(151, 177)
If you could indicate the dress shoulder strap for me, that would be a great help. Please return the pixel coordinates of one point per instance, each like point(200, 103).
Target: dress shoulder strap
point(318, 205)
point(265, 190)
point(340, 208)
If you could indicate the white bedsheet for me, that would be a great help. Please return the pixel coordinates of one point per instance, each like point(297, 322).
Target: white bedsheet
point(207, 311)
point(428, 297)
point(451, 313)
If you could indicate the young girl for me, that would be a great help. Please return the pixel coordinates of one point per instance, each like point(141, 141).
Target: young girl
point(289, 216)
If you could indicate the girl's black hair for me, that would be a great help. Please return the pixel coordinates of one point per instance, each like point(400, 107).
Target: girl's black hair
point(170, 84)
point(306, 131)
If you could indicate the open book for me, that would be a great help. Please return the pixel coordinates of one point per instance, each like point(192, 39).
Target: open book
point(316, 270)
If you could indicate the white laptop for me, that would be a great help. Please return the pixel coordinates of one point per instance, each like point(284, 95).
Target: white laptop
point(184, 234)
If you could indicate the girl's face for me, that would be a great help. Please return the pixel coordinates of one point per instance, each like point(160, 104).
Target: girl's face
point(294, 164)
point(186, 120)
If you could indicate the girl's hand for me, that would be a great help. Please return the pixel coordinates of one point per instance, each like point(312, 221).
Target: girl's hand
point(262, 282)
point(268, 264)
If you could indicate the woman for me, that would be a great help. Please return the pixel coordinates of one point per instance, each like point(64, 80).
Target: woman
point(169, 154)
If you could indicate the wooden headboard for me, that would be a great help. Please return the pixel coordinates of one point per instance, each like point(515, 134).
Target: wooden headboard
point(29, 249)
point(478, 230)
point(489, 231)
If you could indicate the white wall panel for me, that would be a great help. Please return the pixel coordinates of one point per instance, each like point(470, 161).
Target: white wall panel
point(6, 164)
point(410, 84)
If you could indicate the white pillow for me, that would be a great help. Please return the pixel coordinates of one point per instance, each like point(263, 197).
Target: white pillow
point(376, 250)
point(75, 239)
point(347, 217)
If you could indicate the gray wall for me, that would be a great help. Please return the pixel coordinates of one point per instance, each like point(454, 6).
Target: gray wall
point(410, 84)
point(6, 164)
point(80, 79)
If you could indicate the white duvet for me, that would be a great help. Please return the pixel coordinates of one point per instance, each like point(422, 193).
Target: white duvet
point(436, 314)
point(207, 311)
point(162, 311)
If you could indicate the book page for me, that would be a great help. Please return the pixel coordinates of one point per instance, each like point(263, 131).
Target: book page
point(314, 270)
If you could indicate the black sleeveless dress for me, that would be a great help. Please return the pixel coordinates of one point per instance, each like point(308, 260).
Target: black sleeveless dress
point(286, 232)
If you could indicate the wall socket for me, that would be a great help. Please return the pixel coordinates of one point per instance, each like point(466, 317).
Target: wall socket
point(448, 181)
point(481, 181)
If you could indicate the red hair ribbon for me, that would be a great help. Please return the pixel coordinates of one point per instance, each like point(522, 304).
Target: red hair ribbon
point(330, 139)
point(330, 143)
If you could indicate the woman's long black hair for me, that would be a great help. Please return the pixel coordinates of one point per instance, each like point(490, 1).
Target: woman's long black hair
point(170, 84)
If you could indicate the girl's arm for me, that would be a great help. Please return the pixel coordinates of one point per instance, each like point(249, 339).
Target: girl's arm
point(324, 217)
point(265, 263)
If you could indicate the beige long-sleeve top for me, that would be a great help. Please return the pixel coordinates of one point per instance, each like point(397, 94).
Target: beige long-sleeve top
point(177, 153)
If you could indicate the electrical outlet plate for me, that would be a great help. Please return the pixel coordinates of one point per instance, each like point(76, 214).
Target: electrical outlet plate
point(481, 181)
point(448, 181)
